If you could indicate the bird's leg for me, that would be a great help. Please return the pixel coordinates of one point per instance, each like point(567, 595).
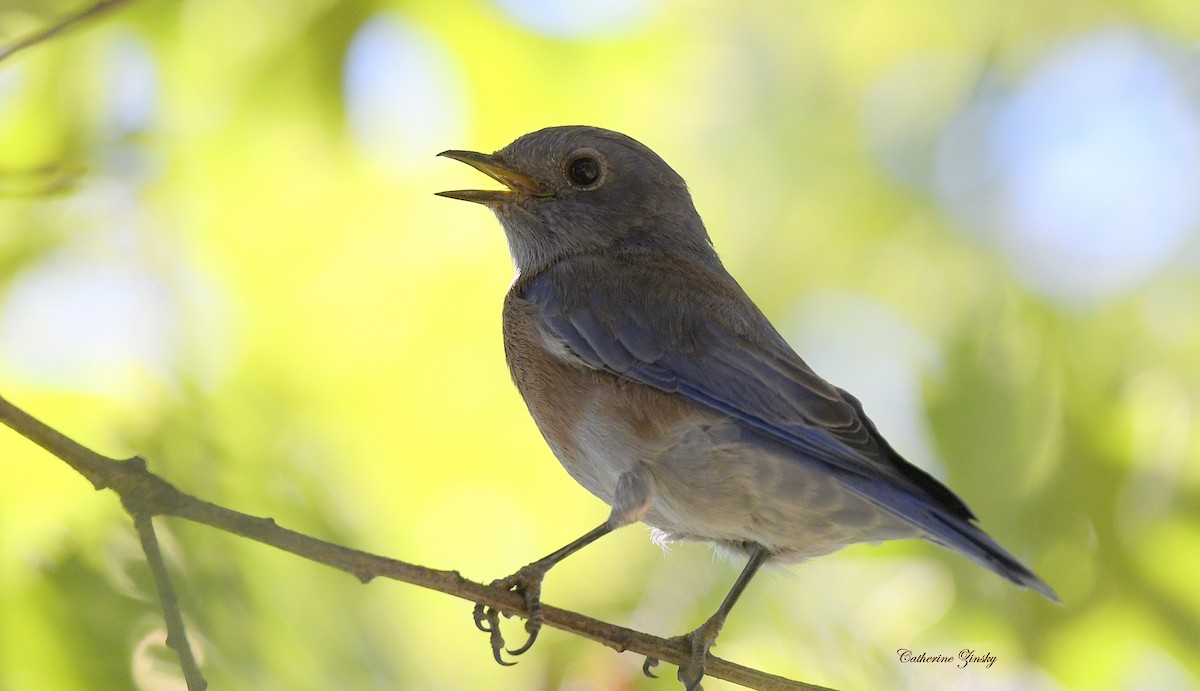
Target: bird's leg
point(705, 635)
point(630, 502)
point(528, 581)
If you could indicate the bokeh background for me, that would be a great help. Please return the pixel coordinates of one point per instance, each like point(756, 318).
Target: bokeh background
point(220, 249)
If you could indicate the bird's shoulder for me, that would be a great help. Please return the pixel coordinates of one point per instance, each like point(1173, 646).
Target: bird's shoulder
point(661, 301)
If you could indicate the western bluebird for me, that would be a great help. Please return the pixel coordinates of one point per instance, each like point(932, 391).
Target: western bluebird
point(665, 391)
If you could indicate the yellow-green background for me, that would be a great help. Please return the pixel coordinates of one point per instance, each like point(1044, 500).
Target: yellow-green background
point(237, 283)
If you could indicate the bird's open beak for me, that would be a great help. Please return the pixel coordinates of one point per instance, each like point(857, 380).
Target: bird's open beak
point(518, 184)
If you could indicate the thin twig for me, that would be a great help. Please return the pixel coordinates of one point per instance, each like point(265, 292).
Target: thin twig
point(97, 10)
point(177, 637)
point(145, 494)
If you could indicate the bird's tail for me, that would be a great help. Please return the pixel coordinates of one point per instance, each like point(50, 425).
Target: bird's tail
point(952, 531)
point(964, 537)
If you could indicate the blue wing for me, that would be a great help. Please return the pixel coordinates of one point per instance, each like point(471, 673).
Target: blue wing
point(693, 333)
point(689, 330)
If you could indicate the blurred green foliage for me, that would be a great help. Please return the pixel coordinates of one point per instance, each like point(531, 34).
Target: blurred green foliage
point(219, 249)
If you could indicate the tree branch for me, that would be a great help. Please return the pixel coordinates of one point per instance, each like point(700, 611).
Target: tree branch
point(145, 494)
point(176, 631)
point(67, 22)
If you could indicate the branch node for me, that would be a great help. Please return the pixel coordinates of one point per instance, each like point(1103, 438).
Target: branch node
point(142, 492)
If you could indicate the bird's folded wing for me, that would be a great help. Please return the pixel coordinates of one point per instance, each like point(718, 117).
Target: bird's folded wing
point(690, 331)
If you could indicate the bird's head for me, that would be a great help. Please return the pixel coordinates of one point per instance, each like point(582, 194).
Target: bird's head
point(575, 190)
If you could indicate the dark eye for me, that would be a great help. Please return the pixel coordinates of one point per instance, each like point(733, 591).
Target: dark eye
point(583, 171)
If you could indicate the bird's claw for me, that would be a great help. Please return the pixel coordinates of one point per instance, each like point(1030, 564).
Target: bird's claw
point(527, 582)
point(488, 621)
point(700, 641)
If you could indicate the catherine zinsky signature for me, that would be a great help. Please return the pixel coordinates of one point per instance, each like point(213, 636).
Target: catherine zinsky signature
point(965, 657)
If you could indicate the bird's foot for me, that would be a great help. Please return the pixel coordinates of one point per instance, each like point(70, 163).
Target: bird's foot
point(528, 582)
point(699, 641)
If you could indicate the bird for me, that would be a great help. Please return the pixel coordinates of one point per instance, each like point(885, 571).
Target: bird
point(667, 393)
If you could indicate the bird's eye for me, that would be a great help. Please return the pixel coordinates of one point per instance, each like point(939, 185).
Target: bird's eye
point(584, 171)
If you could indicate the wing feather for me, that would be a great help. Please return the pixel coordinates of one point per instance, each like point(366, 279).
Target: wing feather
point(708, 343)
